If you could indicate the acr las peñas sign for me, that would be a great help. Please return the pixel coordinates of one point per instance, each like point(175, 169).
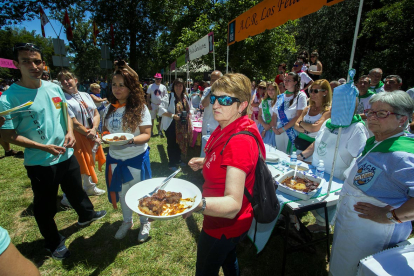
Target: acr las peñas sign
point(270, 14)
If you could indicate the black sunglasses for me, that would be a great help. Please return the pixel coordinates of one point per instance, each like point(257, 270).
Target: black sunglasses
point(223, 100)
point(316, 90)
point(28, 46)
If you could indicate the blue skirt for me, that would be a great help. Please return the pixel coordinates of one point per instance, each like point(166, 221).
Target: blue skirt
point(269, 136)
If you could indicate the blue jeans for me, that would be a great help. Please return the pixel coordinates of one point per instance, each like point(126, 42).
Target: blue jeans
point(214, 253)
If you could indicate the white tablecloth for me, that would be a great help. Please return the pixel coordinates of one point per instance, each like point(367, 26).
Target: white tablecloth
point(265, 230)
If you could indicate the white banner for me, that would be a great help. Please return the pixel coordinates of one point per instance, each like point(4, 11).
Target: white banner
point(201, 47)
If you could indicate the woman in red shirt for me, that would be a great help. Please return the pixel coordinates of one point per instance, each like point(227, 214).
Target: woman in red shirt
point(227, 212)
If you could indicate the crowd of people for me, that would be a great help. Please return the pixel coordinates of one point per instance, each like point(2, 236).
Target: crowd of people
point(292, 113)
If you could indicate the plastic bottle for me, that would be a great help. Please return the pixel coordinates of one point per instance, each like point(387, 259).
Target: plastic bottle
point(95, 147)
point(320, 169)
point(293, 159)
point(208, 129)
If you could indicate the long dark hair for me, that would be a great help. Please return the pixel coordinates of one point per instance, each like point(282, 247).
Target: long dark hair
point(297, 86)
point(184, 96)
point(135, 102)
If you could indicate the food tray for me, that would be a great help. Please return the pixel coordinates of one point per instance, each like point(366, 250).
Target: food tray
point(302, 195)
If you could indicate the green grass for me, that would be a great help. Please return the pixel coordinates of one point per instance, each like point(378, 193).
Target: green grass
point(171, 250)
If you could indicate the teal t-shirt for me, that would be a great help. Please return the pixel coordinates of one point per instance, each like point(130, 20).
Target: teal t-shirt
point(4, 240)
point(43, 124)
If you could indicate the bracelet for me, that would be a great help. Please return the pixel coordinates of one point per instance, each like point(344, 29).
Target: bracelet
point(395, 216)
point(284, 129)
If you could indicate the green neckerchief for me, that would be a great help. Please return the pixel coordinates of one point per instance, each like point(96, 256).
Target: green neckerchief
point(357, 118)
point(306, 137)
point(379, 85)
point(368, 94)
point(400, 143)
point(266, 112)
point(288, 92)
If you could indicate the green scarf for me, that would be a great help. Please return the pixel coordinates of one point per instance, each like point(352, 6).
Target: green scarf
point(287, 92)
point(266, 112)
point(357, 118)
point(368, 94)
point(400, 143)
point(379, 85)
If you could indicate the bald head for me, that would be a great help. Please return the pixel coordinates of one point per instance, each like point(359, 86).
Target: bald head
point(215, 75)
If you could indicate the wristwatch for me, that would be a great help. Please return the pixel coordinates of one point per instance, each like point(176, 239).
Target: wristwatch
point(204, 205)
point(302, 156)
point(390, 217)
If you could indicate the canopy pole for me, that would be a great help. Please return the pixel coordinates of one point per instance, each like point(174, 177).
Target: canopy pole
point(227, 63)
point(214, 58)
point(351, 61)
point(334, 161)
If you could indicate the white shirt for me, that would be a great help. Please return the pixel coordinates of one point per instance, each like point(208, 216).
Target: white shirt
point(299, 104)
point(114, 125)
point(411, 93)
point(304, 79)
point(157, 92)
point(103, 85)
point(311, 120)
point(75, 110)
point(208, 114)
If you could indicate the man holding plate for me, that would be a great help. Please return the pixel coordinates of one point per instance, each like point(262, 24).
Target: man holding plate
point(47, 134)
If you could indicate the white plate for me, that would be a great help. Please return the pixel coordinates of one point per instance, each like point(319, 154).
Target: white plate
point(313, 68)
point(197, 124)
point(129, 136)
point(272, 157)
point(187, 189)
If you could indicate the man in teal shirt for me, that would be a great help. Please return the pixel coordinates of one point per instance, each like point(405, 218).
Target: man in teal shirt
point(46, 132)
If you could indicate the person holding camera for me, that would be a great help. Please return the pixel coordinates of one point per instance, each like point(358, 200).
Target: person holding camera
point(176, 124)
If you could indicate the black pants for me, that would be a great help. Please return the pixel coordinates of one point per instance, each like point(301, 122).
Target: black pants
point(45, 183)
point(173, 149)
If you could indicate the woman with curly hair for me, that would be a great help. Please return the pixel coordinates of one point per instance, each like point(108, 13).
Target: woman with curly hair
point(127, 164)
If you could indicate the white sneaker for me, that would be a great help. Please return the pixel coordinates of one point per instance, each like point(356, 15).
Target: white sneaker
point(144, 232)
point(94, 191)
point(123, 229)
point(65, 202)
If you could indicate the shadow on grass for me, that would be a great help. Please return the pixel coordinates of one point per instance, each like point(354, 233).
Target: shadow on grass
point(36, 251)
point(29, 212)
point(193, 227)
point(163, 154)
point(100, 250)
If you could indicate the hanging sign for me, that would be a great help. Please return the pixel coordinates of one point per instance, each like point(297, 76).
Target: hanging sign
point(201, 47)
point(270, 14)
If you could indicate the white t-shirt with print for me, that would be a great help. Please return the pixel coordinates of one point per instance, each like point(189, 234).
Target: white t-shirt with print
point(299, 103)
point(74, 101)
point(114, 125)
point(208, 117)
point(157, 92)
point(304, 79)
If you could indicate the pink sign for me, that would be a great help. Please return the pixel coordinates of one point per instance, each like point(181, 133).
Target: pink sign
point(7, 63)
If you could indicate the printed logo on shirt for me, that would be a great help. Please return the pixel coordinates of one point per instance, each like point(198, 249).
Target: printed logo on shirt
point(366, 175)
point(158, 93)
point(212, 158)
point(56, 102)
point(322, 149)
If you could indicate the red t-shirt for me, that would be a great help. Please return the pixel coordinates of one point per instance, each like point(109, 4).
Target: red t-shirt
point(242, 153)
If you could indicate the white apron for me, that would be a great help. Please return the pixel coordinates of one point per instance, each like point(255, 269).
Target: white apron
point(354, 237)
point(325, 149)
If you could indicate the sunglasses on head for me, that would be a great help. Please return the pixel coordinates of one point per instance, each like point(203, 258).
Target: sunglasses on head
point(223, 100)
point(27, 46)
point(316, 90)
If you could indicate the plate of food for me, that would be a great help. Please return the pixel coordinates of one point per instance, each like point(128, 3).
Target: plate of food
point(304, 187)
point(118, 139)
point(177, 198)
point(197, 124)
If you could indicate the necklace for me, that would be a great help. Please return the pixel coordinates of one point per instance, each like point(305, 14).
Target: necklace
point(208, 147)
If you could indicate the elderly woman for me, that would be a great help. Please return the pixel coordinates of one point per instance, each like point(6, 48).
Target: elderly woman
point(178, 131)
point(227, 212)
point(257, 100)
point(128, 164)
point(286, 111)
point(86, 120)
point(313, 116)
point(376, 204)
point(266, 112)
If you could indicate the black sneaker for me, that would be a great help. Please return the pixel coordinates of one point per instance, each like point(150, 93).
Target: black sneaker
point(60, 253)
point(98, 215)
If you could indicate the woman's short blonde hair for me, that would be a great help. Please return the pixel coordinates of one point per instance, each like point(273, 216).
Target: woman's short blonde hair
point(66, 74)
point(95, 86)
point(326, 101)
point(237, 85)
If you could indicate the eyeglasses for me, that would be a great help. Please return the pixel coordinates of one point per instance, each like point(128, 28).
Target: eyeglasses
point(313, 56)
point(316, 90)
point(380, 114)
point(295, 65)
point(260, 87)
point(223, 100)
point(28, 46)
